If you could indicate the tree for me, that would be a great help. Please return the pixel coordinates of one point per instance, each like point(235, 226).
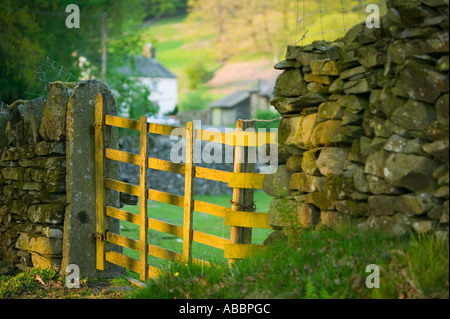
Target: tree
point(163, 8)
point(245, 26)
point(33, 29)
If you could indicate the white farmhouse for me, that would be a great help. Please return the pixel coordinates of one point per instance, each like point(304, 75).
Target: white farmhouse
point(162, 84)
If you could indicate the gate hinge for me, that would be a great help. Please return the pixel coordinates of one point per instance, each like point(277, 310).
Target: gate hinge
point(99, 236)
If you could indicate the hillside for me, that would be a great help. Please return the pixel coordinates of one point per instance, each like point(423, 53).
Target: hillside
point(245, 52)
point(179, 47)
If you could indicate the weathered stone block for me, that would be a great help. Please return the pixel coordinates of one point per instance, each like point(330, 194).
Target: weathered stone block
point(39, 244)
point(50, 148)
point(397, 225)
point(296, 131)
point(330, 110)
point(376, 163)
point(51, 213)
point(53, 126)
point(327, 133)
point(409, 171)
point(290, 83)
point(439, 150)
point(294, 163)
point(296, 105)
point(79, 217)
point(352, 207)
point(320, 200)
point(331, 160)
point(306, 183)
point(423, 226)
point(378, 186)
point(277, 184)
point(414, 115)
point(420, 82)
point(324, 67)
point(415, 203)
point(442, 107)
point(381, 205)
point(46, 262)
point(309, 216)
point(283, 212)
point(338, 187)
point(335, 220)
point(360, 180)
point(357, 86)
point(13, 173)
point(309, 164)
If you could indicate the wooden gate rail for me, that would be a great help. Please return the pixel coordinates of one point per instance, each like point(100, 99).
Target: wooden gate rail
point(243, 182)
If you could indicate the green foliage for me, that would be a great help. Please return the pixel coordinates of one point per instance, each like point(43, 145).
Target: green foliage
point(196, 100)
point(34, 29)
point(163, 8)
point(421, 270)
point(24, 281)
point(198, 74)
point(319, 264)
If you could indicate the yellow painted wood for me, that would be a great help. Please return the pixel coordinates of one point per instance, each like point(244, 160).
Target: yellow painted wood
point(164, 197)
point(238, 138)
point(143, 198)
point(166, 254)
point(210, 209)
point(248, 219)
point(242, 197)
point(99, 183)
point(122, 187)
point(122, 215)
point(241, 251)
point(163, 129)
point(154, 272)
point(122, 156)
point(122, 241)
point(165, 227)
point(123, 261)
point(188, 203)
point(213, 174)
point(246, 180)
point(167, 166)
point(210, 136)
point(210, 240)
point(122, 122)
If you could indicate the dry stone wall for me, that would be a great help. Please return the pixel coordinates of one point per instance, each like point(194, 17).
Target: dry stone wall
point(42, 182)
point(33, 186)
point(364, 135)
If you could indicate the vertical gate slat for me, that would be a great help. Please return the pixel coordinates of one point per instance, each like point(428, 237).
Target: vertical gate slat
point(242, 198)
point(99, 184)
point(188, 193)
point(143, 198)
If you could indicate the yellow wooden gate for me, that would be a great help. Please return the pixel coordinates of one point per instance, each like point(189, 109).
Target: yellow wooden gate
point(240, 217)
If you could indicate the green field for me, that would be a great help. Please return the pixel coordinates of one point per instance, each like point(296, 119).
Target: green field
point(202, 222)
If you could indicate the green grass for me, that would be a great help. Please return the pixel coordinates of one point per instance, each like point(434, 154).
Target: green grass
point(318, 264)
point(202, 222)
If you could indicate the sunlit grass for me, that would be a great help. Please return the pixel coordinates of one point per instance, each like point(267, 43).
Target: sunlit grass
point(318, 264)
point(201, 222)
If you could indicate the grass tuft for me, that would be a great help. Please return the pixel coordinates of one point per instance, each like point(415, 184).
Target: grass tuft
point(321, 264)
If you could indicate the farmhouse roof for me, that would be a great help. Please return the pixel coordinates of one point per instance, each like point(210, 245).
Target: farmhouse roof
point(142, 66)
point(231, 100)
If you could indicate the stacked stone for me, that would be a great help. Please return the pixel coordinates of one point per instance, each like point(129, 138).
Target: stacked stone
point(32, 181)
point(364, 129)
